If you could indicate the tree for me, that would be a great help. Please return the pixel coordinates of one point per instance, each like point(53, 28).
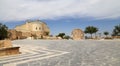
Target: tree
point(116, 30)
point(90, 30)
point(106, 33)
point(67, 37)
point(61, 35)
point(3, 31)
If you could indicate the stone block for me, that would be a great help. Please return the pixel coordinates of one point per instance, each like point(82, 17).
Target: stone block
point(9, 51)
point(5, 43)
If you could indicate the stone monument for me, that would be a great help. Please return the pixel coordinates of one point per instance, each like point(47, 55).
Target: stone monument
point(6, 48)
point(77, 34)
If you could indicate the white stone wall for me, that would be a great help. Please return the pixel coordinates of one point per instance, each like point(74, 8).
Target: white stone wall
point(32, 26)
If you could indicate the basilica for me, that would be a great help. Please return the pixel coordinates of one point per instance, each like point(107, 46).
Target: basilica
point(36, 28)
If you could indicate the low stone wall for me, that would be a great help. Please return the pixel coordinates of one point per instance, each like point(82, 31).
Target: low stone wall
point(9, 51)
point(118, 37)
point(6, 48)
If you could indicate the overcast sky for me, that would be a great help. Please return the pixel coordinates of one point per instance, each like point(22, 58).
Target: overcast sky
point(14, 12)
point(56, 9)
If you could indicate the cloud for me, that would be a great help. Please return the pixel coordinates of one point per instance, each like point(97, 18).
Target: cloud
point(55, 9)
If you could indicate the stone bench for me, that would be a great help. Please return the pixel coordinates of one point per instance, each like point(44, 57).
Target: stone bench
point(6, 48)
point(9, 51)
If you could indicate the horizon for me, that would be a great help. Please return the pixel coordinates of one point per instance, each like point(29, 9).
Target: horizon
point(67, 25)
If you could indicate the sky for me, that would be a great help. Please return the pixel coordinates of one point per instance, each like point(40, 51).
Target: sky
point(62, 15)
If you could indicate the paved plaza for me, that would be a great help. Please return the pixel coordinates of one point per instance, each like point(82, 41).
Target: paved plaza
point(65, 53)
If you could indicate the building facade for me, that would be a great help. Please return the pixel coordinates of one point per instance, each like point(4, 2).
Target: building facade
point(33, 29)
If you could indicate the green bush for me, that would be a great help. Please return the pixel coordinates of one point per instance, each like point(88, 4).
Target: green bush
point(3, 31)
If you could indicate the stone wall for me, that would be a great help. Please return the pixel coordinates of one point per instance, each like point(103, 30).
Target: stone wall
point(5, 43)
point(6, 48)
point(116, 37)
point(9, 51)
point(13, 34)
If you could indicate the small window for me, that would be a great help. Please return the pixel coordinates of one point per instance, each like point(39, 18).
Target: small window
point(39, 28)
point(36, 28)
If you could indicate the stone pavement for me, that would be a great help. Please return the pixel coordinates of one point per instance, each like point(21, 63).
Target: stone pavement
point(65, 53)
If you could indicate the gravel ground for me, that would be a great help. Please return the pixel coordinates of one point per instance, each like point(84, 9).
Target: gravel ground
point(81, 53)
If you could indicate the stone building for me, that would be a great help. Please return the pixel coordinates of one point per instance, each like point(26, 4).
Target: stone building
point(34, 29)
point(77, 34)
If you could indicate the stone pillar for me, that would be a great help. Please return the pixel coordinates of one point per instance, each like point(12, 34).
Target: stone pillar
point(77, 34)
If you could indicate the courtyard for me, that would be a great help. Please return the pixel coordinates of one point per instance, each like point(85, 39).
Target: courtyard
point(65, 53)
